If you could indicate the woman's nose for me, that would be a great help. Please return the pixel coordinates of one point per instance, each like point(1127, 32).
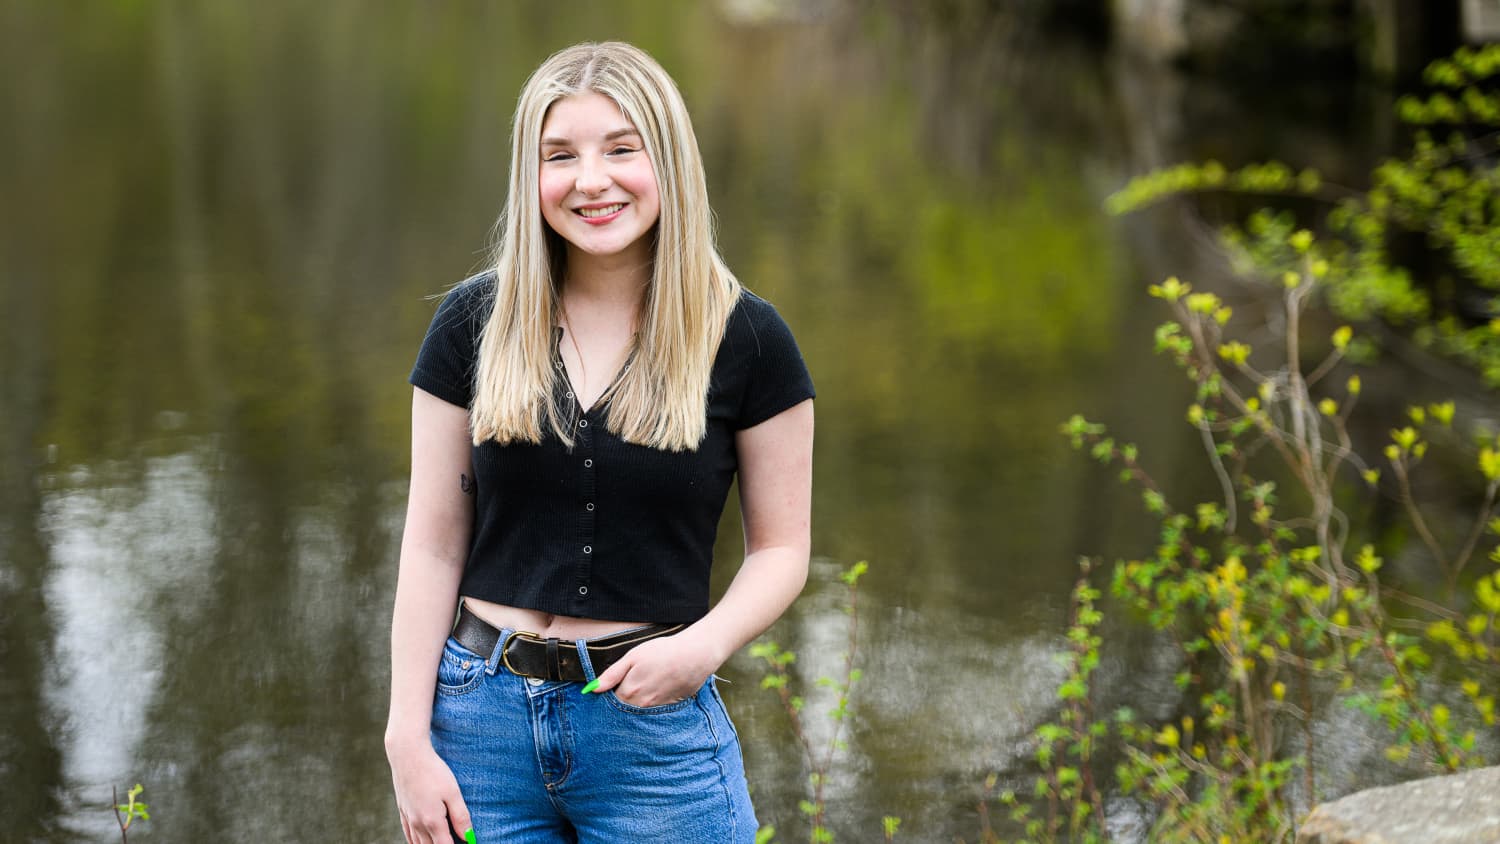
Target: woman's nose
point(592, 179)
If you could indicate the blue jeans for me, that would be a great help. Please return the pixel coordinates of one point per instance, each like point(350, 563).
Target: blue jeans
point(537, 761)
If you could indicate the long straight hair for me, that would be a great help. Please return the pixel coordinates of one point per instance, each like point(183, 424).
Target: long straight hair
point(660, 399)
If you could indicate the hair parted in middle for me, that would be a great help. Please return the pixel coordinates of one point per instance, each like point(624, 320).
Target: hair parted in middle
point(660, 399)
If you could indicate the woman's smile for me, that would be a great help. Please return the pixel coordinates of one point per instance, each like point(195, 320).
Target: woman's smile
point(599, 215)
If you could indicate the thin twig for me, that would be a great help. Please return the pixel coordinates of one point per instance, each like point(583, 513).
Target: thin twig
point(1410, 503)
point(1225, 485)
point(1472, 542)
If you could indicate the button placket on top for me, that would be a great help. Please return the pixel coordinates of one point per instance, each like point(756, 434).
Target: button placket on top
point(584, 454)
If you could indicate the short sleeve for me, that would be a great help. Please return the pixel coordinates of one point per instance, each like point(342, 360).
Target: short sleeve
point(445, 362)
point(778, 376)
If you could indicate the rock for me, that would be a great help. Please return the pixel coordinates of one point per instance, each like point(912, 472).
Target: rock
point(1459, 808)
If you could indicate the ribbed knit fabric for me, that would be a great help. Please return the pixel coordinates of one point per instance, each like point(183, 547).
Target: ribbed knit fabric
point(608, 529)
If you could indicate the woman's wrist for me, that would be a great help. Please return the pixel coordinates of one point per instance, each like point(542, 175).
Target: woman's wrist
point(399, 735)
point(717, 643)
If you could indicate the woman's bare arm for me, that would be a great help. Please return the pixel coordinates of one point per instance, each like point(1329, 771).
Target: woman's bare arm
point(434, 546)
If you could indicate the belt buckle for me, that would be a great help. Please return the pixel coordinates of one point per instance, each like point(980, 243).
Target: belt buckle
point(505, 650)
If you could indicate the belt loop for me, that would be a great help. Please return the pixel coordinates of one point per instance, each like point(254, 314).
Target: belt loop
point(585, 659)
point(497, 655)
point(554, 664)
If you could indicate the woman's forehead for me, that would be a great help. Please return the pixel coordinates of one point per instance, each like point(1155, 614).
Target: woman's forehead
point(585, 116)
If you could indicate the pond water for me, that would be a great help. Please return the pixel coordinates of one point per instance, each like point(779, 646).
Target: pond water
point(223, 228)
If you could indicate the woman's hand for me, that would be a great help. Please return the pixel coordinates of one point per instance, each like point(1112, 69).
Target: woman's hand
point(660, 671)
point(427, 794)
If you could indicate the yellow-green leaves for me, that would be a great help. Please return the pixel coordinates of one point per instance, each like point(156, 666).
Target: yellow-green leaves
point(1486, 595)
point(1078, 429)
point(1341, 337)
point(1172, 289)
point(1202, 303)
point(1301, 240)
point(1269, 177)
point(1443, 632)
point(1210, 516)
point(1168, 736)
point(1405, 439)
point(1442, 412)
point(1489, 464)
point(1232, 571)
point(1235, 352)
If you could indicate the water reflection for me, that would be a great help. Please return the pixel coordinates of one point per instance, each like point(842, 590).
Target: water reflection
point(116, 546)
point(216, 261)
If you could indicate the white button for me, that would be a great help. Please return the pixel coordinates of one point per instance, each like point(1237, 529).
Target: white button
point(583, 590)
point(570, 395)
point(535, 681)
point(588, 463)
point(583, 423)
point(588, 549)
point(589, 507)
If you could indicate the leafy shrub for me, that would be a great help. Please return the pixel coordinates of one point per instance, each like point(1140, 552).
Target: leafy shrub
point(1272, 596)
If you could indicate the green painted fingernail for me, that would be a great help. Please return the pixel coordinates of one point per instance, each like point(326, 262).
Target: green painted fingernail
point(592, 684)
point(469, 836)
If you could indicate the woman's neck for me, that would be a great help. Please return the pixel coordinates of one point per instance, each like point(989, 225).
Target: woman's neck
point(618, 280)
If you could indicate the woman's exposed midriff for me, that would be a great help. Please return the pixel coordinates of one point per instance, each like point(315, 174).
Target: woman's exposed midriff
point(543, 624)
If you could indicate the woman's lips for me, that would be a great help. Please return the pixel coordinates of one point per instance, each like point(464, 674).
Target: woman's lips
point(601, 214)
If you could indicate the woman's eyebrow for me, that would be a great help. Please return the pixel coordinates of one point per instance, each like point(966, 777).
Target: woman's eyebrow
point(608, 136)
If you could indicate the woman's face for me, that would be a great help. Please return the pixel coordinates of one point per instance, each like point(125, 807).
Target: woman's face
point(596, 182)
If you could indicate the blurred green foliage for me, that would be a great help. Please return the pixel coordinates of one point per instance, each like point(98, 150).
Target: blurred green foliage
point(1445, 189)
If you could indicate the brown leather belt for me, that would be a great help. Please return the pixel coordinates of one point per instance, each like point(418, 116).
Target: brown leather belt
point(529, 655)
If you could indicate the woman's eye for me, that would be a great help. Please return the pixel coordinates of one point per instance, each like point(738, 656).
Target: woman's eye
point(621, 150)
point(556, 156)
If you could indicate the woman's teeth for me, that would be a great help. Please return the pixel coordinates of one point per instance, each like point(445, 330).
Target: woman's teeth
point(601, 212)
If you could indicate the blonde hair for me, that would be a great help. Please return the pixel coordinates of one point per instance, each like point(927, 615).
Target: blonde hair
point(661, 398)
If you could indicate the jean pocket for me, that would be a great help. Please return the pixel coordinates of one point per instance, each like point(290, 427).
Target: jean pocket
point(713, 685)
point(664, 709)
point(459, 669)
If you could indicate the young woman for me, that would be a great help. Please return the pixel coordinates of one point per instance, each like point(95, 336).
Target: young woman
point(579, 413)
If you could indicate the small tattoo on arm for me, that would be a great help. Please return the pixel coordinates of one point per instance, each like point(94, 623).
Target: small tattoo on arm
point(467, 484)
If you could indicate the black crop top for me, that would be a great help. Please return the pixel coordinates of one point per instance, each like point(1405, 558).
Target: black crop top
point(608, 529)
